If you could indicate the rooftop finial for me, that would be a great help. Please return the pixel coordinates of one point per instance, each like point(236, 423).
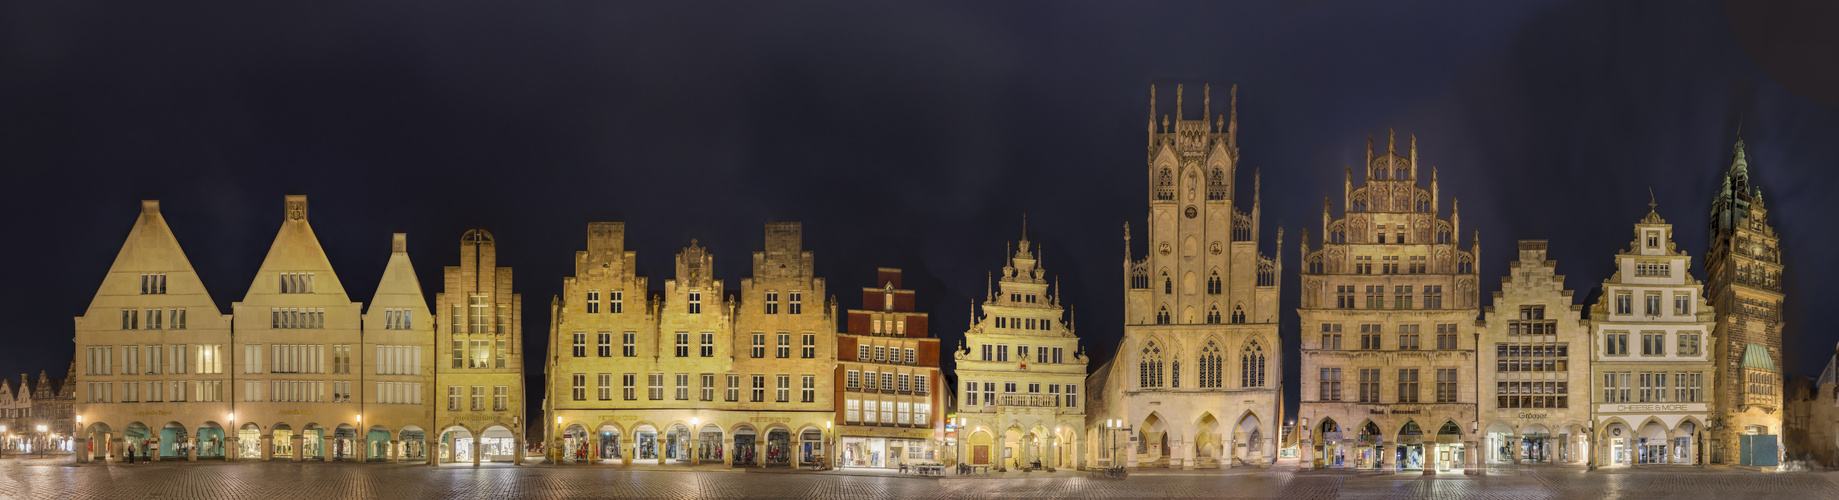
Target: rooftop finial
point(1391, 136)
point(1024, 226)
point(1652, 203)
point(1178, 103)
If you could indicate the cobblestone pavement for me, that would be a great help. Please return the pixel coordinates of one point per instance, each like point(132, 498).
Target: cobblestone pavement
point(58, 478)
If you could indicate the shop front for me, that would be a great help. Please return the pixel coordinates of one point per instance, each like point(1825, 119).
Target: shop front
point(744, 441)
point(864, 452)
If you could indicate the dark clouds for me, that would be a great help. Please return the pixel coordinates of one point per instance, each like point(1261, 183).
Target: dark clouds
point(911, 135)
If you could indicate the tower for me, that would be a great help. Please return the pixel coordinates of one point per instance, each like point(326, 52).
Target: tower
point(1744, 271)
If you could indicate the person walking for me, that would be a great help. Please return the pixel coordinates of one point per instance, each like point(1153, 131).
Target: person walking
point(130, 454)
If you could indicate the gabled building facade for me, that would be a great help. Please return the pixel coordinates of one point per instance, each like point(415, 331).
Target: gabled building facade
point(1197, 377)
point(1532, 343)
point(693, 374)
point(889, 404)
point(1651, 365)
point(1744, 281)
point(138, 347)
point(1020, 371)
point(1388, 304)
point(481, 379)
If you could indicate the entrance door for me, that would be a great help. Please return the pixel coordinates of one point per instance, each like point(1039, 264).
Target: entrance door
point(1757, 450)
point(980, 454)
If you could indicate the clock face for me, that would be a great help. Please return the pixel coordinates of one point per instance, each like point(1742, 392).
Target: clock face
point(1192, 212)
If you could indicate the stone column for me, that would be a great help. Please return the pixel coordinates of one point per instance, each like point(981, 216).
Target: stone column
point(629, 447)
point(1470, 454)
point(80, 444)
point(1228, 451)
point(728, 449)
point(297, 440)
point(1388, 456)
point(1430, 459)
point(191, 449)
point(759, 458)
point(395, 454)
point(268, 449)
point(477, 448)
point(695, 450)
point(1513, 448)
point(1346, 445)
point(517, 440)
point(1305, 452)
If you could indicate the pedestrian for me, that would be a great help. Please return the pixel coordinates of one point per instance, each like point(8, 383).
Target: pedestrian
point(130, 454)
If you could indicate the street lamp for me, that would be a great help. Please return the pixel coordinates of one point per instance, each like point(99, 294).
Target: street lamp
point(41, 437)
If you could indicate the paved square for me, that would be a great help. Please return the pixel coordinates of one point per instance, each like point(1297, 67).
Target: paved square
point(58, 478)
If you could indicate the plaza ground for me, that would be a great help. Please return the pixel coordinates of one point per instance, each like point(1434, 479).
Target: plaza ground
point(59, 478)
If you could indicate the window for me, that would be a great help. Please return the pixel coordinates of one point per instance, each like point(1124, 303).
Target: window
point(1625, 303)
point(1408, 385)
point(604, 347)
point(1364, 264)
point(1653, 303)
point(852, 380)
point(580, 392)
point(1446, 385)
point(1344, 296)
point(970, 393)
point(905, 382)
point(808, 349)
point(605, 386)
point(734, 388)
point(295, 283)
point(153, 284)
point(772, 302)
point(797, 303)
point(808, 388)
point(481, 310)
point(869, 381)
point(784, 349)
point(593, 302)
point(580, 349)
point(708, 387)
point(708, 344)
point(1408, 337)
point(617, 304)
point(1375, 296)
point(683, 344)
point(1615, 343)
point(989, 393)
point(1389, 263)
point(919, 385)
point(1616, 387)
point(1149, 367)
point(683, 387)
point(1682, 304)
point(1330, 385)
point(759, 388)
point(655, 391)
point(210, 359)
point(501, 398)
point(1331, 336)
point(987, 356)
point(759, 345)
point(1433, 296)
point(478, 398)
point(1002, 352)
point(909, 357)
point(1401, 296)
point(1687, 387)
point(1369, 337)
point(1446, 336)
point(852, 410)
point(1251, 364)
point(629, 344)
point(1688, 344)
point(629, 386)
point(695, 306)
point(1162, 316)
point(887, 381)
point(1369, 385)
point(1653, 239)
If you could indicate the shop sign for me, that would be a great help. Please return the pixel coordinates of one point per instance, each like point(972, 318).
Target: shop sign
point(1407, 412)
point(1532, 416)
point(151, 413)
point(1652, 407)
point(296, 412)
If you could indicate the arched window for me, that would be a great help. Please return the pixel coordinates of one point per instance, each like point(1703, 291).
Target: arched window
point(1175, 374)
point(1213, 315)
point(1238, 314)
point(1162, 316)
point(1380, 174)
point(1213, 283)
point(1168, 284)
point(1251, 365)
point(1465, 267)
point(1442, 237)
point(1402, 174)
point(1149, 366)
point(1210, 365)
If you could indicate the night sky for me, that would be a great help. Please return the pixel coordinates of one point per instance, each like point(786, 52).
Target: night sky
point(910, 135)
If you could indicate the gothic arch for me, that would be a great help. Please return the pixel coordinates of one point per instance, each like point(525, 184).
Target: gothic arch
point(1238, 313)
point(1150, 363)
point(1208, 362)
point(1253, 364)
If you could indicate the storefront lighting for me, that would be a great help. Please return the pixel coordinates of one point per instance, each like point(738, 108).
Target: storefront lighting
point(695, 421)
point(360, 418)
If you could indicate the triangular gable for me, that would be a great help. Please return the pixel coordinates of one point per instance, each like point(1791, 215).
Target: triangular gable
point(296, 250)
point(150, 248)
point(400, 288)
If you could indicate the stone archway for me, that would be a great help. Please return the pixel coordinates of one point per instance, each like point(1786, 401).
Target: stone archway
point(249, 442)
point(607, 440)
point(1208, 447)
point(1153, 442)
point(412, 443)
point(1248, 440)
point(136, 439)
point(173, 440)
point(456, 445)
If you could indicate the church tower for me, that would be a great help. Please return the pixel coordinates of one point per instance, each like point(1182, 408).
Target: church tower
point(1745, 268)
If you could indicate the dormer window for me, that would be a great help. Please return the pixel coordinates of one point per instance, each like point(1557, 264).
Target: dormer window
point(888, 300)
point(1653, 239)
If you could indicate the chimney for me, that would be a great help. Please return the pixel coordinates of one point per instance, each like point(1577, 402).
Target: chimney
point(150, 207)
point(399, 243)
